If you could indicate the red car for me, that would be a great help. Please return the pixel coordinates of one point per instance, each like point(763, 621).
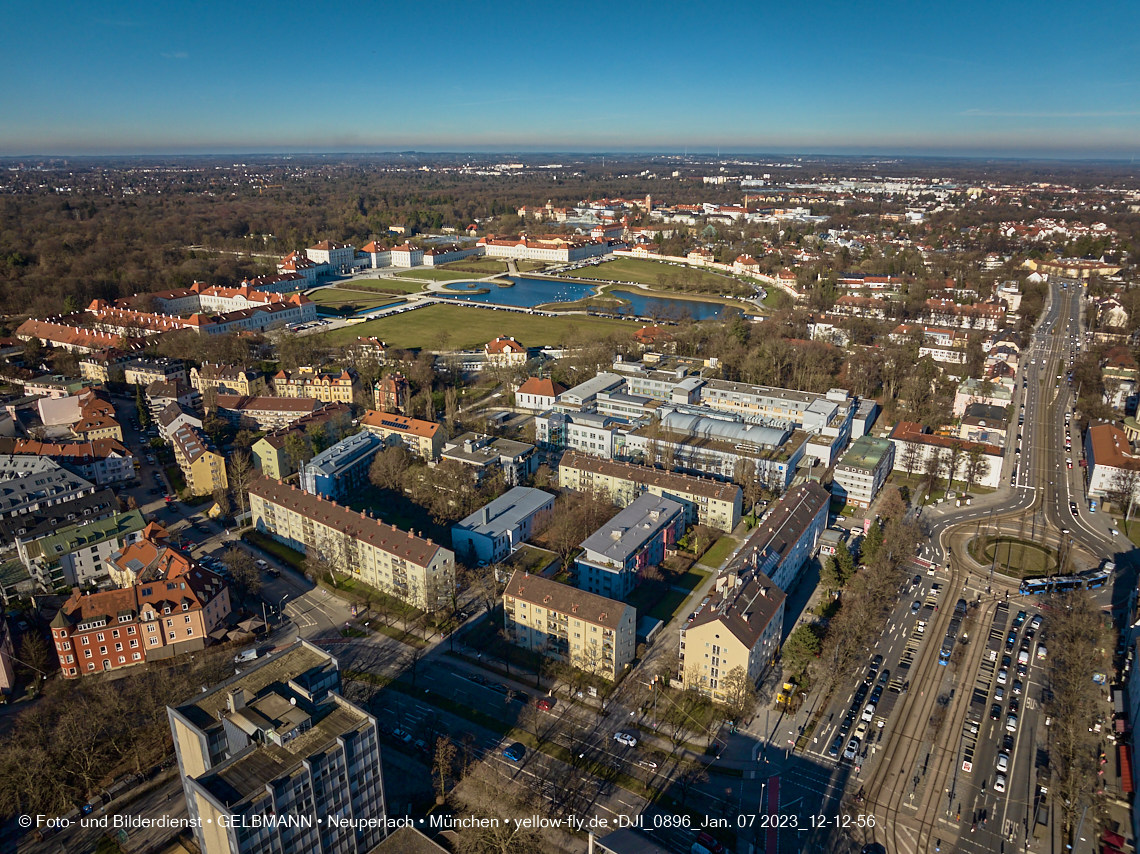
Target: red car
point(711, 844)
point(544, 705)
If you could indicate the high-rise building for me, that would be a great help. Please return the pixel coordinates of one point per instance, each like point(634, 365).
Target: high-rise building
point(275, 761)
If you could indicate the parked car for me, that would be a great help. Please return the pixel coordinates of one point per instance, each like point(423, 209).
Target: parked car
point(1003, 762)
point(515, 752)
point(852, 749)
point(836, 746)
point(999, 782)
point(545, 704)
point(1011, 723)
point(868, 712)
point(625, 738)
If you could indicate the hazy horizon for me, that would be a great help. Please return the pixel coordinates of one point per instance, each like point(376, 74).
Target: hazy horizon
point(973, 80)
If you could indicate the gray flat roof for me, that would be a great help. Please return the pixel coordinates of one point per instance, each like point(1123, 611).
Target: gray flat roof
point(506, 512)
point(632, 527)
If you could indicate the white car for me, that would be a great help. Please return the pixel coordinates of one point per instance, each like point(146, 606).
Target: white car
point(999, 782)
point(1011, 723)
point(1003, 762)
point(868, 712)
point(625, 738)
point(1002, 676)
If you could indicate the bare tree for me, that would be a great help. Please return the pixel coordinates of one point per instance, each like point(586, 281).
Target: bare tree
point(443, 766)
point(242, 474)
point(910, 458)
point(244, 574)
point(389, 467)
point(977, 466)
point(691, 777)
point(740, 692)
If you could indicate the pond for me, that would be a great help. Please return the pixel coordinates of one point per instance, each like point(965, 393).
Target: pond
point(528, 293)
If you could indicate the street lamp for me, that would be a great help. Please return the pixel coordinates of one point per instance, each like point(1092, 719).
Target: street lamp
point(281, 604)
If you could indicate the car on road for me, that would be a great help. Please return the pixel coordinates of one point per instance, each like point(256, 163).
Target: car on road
point(1016, 688)
point(260, 564)
point(836, 746)
point(1019, 619)
point(1003, 676)
point(1035, 623)
point(1003, 762)
point(848, 721)
point(1014, 705)
point(647, 763)
point(709, 844)
point(625, 738)
point(999, 782)
point(884, 677)
point(1011, 723)
point(876, 661)
point(545, 704)
point(914, 582)
point(876, 695)
point(1073, 507)
point(852, 749)
point(1069, 463)
point(1006, 661)
point(999, 693)
point(514, 753)
point(868, 712)
point(916, 607)
point(421, 745)
point(1022, 669)
point(861, 695)
point(995, 712)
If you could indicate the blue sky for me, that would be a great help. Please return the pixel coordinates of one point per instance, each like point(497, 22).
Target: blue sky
point(971, 78)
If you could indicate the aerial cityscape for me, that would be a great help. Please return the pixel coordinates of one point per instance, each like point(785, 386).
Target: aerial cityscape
point(748, 468)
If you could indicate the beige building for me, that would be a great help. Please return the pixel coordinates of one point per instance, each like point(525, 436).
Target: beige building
point(596, 634)
point(740, 626)
point(329, 388)
point(505, 352)
point(203, 468)
point(146, 371)
point(706, 502)
point(269, 451)
point(423, 438)
point(105, 366)
point(228, 379)
point(394, 561)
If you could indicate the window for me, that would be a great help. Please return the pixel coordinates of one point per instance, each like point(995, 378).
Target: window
point(172, 635)
point(190, 630)
point(137, 656)
point(134, 644)
point(131, 630)
point(154, 641)
point(150, 629)
point(122, 659)
point(87, 653)
point(99, 636)
point(102, 650)
point(118, 647)
point(187, 618)
point(91, 665)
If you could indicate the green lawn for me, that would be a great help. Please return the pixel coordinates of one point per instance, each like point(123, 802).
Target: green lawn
point(692, 579)
point(470, 327)
point(382, 286)
point(651, 273)
point(338, 298)
point(717, 552)
point(437, 275)
point(282, 552)
point(400, 511)
point(479, 266)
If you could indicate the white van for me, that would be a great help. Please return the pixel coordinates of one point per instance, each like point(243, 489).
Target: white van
point(245, 656)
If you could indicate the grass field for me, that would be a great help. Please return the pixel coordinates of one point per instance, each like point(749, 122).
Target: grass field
point(650, 273)
point(480, 266)
point(438, 275)
point(716, 554)
point(473, 327)
point(357, 300)
point(382, 286)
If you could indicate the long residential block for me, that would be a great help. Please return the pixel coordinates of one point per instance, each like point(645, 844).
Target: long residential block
point(398, 562)
point(706, 502)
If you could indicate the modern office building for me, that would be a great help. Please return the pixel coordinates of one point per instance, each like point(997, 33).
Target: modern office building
point(517, 460)
point(614, 557)
point(265, 754)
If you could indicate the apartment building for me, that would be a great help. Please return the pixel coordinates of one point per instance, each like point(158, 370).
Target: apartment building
point(706, 501)
point(785, 540)
point(269, 451)
point(586, 432)
point(517, 460)
point(494, 531)
point(203, 468)
point(863, 470)
point(1110, 457)
point(307, 382)
point(264, 413)
point(160, 395)
point(740, 625)
point(228, 379)
point(164, 616)
point(174, 417)
point(146, 371)
point(593, 633)
point(910, 434)
point(104, 461)
point(105, 366)
point(77, 555)
point(423, 438)
point(391, 393)
point(614, 557)
point(43, 486)
point(983, 423)
point(397, 562)
point(340, 470)
point(274, 741)
point(45, 522)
